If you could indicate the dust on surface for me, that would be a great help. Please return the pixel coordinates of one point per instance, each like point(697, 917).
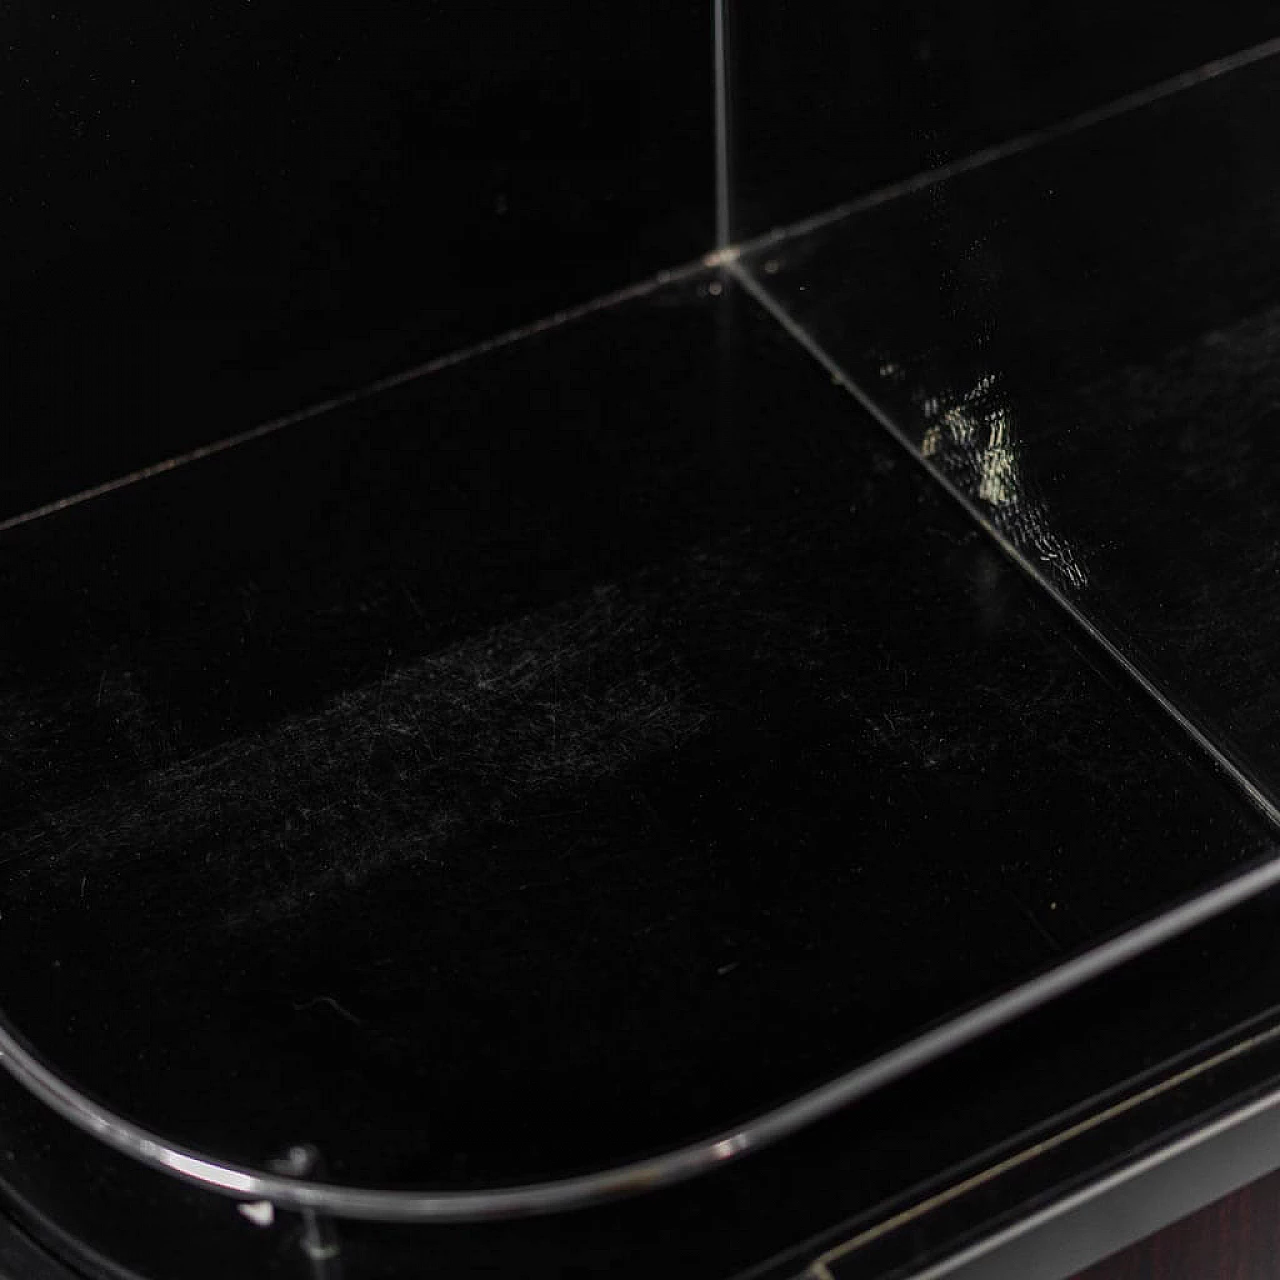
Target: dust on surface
point(389, 772)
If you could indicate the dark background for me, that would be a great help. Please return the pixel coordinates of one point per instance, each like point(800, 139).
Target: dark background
point(832, 100)
point(217, 213)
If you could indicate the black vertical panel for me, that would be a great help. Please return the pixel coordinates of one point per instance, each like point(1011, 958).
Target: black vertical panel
point(833, 98)
point(216, 213)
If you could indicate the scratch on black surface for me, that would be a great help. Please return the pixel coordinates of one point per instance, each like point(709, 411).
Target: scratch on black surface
point(390, 772)
point(1035, 921)
point(418, 771)
point(331, 1003)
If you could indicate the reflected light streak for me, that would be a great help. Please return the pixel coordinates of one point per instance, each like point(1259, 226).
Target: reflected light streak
point(971, 436)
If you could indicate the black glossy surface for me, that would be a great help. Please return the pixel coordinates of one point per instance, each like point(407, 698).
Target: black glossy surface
point(834, 99)
point(1084, 340)
point(215, 214)
point(864, 1165)
point(558, 758)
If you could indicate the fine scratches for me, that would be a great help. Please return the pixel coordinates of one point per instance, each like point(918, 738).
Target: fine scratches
point(390, 773)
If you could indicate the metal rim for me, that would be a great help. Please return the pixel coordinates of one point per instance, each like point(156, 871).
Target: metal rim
point(241, 1182)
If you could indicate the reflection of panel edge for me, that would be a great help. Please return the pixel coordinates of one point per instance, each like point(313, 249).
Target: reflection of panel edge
point(1127, 1206)
point(720, 76)
point(33, 1249)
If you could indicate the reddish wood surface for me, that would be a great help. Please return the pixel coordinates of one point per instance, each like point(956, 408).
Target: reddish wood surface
point(1236, 1238)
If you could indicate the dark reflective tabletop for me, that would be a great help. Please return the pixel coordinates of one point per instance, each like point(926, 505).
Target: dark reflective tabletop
point(1083, 340)
point(556, 759)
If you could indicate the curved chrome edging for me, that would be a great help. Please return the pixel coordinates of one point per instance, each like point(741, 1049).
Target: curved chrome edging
point(665, 1169)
